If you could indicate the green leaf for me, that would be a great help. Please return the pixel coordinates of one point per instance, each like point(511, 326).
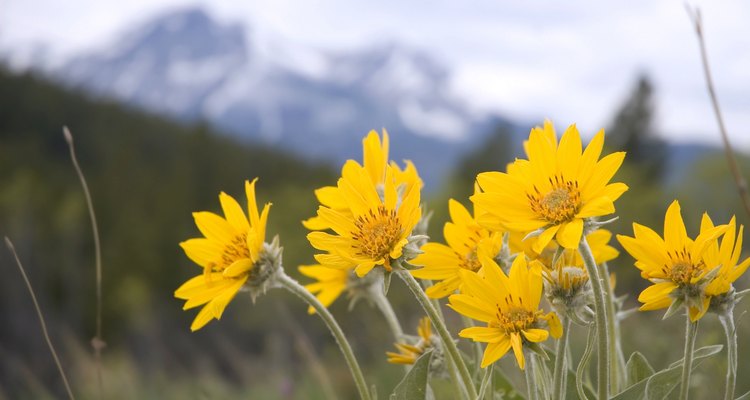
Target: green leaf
point(638, 368)
point(386, 281)
point(673, 308)
point(414, 384)
point(660, 384)
point(703, 352)
point(504, 387)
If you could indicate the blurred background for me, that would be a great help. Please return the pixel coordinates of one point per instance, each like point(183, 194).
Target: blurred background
point(171, 102)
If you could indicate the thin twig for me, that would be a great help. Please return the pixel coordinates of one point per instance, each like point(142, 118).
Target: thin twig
point(695, 16)
point(97, 342)
point(41, 317)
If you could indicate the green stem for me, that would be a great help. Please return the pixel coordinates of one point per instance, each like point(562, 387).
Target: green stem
point(558, 388)
point(616, 357)
point(445, 337)
point(687, 361)
point(486, 379)
point(386, 309)
point(600, 312)
point(530, 378)
point(584, 362)
point(727, 321)
point(293, 286)
point(459, 389)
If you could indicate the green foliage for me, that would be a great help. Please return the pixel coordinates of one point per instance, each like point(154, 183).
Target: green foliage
point(147, 175)
point(638, 368)
point(632, 131)
point(660, 384)
point(414, 384)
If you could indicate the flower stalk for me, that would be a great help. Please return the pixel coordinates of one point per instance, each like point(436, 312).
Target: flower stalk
point(559, 375)
point(385, 307)
point(727, 321)
point(445, 336)
point(602, 356)
point(530, 374)
point(293, 286)
point(616, 357)
point(691, 328)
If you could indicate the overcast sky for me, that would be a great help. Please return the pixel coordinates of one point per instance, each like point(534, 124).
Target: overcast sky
point(571, 61)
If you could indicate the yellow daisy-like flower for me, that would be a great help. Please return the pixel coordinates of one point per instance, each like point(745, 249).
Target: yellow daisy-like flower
point(509, 305)
point(375, 160)
point(598, 241)
point(228, 253)
point(465, 237)
point(555, 190)
point(676, 264)
point(331, 282)
point(375, 229)
point(727, 255)
point(409, 353)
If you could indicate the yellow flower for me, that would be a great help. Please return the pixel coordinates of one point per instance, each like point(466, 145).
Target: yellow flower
point(567, 279)
point(676, 264)
point(465, 237)
point(554, 191)
point(408, 353)
point(374, 230)
point(598, 241)
point(727, 255)
point(375, 160)
point(228, 253)
point(509, 305)
point(331, 282)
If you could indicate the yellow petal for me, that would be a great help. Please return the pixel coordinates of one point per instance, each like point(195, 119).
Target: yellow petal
point(569, 235)
point(596, 207)
point(555, 326)
point(214, 227)
point(515, 342)
point(535, 335)
point(364, 268)
point(375, 155)
point(233, 212)
point(203, 252)
point(238, 268)
point(330, 196)
point(569, 152)
point(495, 351)
point(675, 234)
point(472, 307)
point(252, 205)
point(483, 334)
point(543, 240)
point(443, 288)
point(656, 291)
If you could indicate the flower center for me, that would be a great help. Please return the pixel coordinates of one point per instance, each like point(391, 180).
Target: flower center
point(683, 272)
point(515, 319)
point(558, 205)
point(234, 250)
point(470, 261)
point(377, 232)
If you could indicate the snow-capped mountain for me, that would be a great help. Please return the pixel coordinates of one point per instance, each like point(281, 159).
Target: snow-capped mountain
point(255, 85)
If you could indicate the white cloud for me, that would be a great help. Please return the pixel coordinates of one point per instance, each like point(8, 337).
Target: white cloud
point(572, 61)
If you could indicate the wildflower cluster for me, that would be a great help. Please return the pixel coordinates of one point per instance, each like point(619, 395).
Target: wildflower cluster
point(534, 231)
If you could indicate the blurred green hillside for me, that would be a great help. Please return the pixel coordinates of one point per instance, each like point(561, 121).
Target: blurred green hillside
point(147, 175)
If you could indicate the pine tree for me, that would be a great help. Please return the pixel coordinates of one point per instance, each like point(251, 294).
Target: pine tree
point(633, 131)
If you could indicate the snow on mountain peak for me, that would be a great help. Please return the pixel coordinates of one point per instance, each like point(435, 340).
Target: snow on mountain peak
point(254, 83)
